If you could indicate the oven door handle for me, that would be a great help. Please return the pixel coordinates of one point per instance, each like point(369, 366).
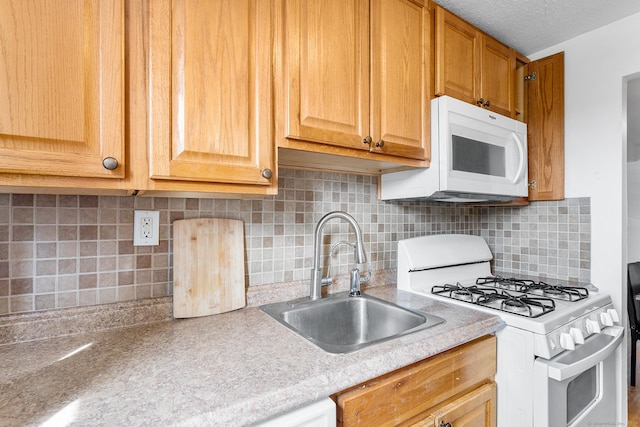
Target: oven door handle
point(560, 371)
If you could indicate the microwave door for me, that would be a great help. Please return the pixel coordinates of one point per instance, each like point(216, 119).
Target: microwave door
point(474, 156)
point(476, 161)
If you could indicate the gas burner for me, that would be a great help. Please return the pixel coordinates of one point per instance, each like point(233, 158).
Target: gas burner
point(567, 293)
point(510, 284)
point(523, 305)
point(552, 293)
point(513, 305)
point(456, 291)
point(463, 293)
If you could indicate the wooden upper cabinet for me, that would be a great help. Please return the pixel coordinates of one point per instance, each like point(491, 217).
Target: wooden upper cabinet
point(400, 72)
point(211, 116)
point(498, 77)
point(457, 57)
point(62, 87)
point(326, 84)
point(355, 70)
point(544, 90)
point(472, 66)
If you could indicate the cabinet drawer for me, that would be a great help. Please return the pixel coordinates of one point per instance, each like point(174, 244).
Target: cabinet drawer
point(403, 394)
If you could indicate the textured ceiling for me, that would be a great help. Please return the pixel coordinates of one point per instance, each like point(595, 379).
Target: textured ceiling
point(533, 25)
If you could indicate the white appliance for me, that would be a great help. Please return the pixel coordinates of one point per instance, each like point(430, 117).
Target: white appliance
point(476, 156)
point(321, 413)
point(556, 363)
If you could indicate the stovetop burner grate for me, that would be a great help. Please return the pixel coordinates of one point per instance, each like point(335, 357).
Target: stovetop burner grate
point(511, 284)
point(463, 293)
point(566, 293)
point(518, 296)
point(523, 305)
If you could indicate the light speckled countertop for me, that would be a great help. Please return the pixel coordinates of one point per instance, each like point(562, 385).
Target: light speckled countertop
point(230, 369)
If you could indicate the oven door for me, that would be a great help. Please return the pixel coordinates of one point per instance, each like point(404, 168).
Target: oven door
point(578, 387)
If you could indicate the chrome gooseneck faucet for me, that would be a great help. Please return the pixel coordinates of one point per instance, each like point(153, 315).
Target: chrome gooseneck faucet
point(315, 286)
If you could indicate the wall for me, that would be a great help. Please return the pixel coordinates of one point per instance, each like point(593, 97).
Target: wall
point(597, 65)
point(62, 251)
point(633, 170)
point(633, 124)
point(633, 208)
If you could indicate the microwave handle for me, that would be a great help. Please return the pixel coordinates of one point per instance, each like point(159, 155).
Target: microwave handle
point(520, 146)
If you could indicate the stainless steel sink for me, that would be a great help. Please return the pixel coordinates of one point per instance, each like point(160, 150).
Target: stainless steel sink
point(340, 323)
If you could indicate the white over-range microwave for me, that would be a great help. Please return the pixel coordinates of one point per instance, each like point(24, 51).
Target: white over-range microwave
point(476, 156)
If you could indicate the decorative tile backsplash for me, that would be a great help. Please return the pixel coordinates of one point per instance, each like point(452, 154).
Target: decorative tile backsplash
point(547, 239)
point(62, 251)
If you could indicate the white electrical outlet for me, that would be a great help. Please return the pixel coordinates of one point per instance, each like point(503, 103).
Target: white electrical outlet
point(146, 228)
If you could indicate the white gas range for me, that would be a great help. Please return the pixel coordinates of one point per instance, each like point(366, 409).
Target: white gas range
point(556, 364)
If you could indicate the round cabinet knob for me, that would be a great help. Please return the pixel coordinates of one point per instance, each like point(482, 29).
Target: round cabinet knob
point(267, 173)
point(593, 326)
point(367, 140)
point(577, 335)
point(443, 424)
point(487, 104)
point(380, 144)
point(110, 163)
point(566, 341)
point(480, 102)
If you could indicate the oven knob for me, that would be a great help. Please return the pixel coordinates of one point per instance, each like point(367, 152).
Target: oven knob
point(606, 319)
point(566, 341)
point(577, 335)
point(593, 327)
point(614, 315)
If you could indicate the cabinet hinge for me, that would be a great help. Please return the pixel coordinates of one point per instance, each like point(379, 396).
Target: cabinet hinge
point(531, 76)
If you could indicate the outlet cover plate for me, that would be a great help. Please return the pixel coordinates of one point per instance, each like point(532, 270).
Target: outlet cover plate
point(146, 228)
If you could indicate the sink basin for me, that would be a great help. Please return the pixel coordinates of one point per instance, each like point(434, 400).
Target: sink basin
point(340, 323)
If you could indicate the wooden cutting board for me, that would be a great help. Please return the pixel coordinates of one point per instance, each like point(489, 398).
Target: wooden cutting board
point(208, 266)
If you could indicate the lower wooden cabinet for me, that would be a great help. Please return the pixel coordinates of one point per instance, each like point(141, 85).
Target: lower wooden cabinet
point(476, 408)
point(454, 387)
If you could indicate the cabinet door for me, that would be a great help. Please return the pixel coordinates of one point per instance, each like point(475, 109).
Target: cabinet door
point(545, 127)
point(326, 85)
point(212, 101)
point(498, 74)
point(457, 64)
point(399, 78)
point(62, 87)
point(474, 409)
point(408, 395)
